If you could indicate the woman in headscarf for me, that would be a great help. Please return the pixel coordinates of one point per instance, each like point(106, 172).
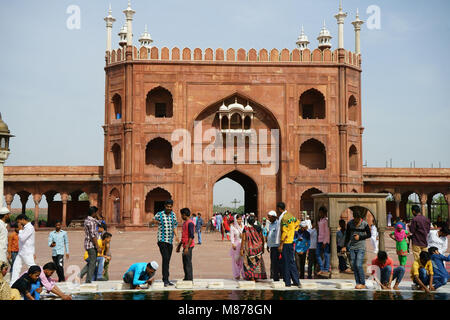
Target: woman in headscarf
point(235, 251)
point(252, 249)
point(400, 236)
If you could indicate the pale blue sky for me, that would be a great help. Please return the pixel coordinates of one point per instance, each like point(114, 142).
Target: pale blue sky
point(52, 83)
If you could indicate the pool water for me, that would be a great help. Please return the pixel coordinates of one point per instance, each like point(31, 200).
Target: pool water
point(262, 295)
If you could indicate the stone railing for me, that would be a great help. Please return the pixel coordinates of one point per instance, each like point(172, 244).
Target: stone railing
point(231, 55)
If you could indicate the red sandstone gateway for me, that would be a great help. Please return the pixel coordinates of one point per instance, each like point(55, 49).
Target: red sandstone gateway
point(311, 98)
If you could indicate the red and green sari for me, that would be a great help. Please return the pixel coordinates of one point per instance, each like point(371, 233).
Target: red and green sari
point(253, 254)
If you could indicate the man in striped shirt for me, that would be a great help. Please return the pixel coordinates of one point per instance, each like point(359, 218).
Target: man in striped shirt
point(90, 240)
point(167, 229)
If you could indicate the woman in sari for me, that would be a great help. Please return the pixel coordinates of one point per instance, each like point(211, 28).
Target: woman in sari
point(252, 249)
point(235, 251)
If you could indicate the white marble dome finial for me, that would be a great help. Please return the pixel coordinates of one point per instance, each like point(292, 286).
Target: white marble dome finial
point(324, 37)
point(302, 41)
point(145, 38)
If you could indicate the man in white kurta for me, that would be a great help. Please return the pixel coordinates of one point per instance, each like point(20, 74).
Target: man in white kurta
point(26, 247)
point(4, 217)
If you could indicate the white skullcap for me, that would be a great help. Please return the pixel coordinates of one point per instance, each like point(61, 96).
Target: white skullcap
point(4, 211)
point(154, 265)
point(303, 224)
point(272, 213)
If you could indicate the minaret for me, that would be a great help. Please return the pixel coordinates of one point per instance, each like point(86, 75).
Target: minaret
point(129, 16)
point(357, 24)
point(324, 38)
point(109, 24)
point(302, 41)
point(145, 38)
point(340, 17)
point(123, 36)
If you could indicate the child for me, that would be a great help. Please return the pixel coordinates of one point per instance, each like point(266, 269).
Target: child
point(188, 243)
point(29, 284)
point(13, 245)
point(106, 241)
point(387, 271)
point(302, 242)
point(400, 236)
point(440, 277)
point(422, 273)
point(312, 259)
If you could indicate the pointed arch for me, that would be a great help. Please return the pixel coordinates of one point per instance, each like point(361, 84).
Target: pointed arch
point(312, 104)
point(158, 152)
point(159, 103)
point(313, 154)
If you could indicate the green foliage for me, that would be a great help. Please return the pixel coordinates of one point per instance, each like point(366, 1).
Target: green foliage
point(222, 209)
point(30, 215)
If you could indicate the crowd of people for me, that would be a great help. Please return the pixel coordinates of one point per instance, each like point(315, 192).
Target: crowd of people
point(297, 248)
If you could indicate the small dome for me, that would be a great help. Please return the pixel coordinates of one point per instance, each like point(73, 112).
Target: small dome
point(248, 108)
point(223, 107)
point(4, 130)
point(236, 105)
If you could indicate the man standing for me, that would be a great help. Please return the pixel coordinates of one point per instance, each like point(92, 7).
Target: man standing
point(389, 219)
point(4, 219)
point(198, 228)
point(288, 225)
point(188, 243)
point(167, 229)
point(357, 232)
point(59, 242)
point(91, 241)
point(419, 228)
point(323, 243)
point(272, 246)
point(26, 246)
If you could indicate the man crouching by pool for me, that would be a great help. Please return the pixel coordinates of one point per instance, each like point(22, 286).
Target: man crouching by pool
point(140, 274)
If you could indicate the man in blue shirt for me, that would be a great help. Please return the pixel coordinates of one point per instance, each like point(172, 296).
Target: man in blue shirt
point(302, 240)
point(440, 276)
point(198, 227)
point(272, 246)
point(59, 242)
point(140, 273)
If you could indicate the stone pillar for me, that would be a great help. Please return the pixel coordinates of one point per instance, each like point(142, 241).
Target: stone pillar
point(428, 206)
point(37, 199)
point(64, 199)
point(398, 200)
point(381, 243)
point(423, 202)
point(334, 261)
point(447, 198)
point(9, 199)
point(24, 201)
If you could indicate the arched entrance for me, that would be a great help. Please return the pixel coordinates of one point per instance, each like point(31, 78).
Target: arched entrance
point(154, 201)
point(250, 190)
point(114, 200)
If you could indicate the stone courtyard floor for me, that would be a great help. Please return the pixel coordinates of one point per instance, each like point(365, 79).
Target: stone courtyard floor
point(211, 261)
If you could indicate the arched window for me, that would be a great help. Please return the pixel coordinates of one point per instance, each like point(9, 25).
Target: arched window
point(117, 106)
point(313, 155)
point(353, 158)
point(159, 153)
point(312, 105)
point(117, 155)
point(154, 200)
point(225, 122)
point(159, 103)
point(236, 121)
point(352, 109)
point(247, 123)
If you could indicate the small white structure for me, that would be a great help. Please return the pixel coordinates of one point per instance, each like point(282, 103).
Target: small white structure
point(324, 38)
point(302, 40)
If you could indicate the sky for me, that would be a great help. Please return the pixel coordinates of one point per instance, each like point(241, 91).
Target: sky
point(52, 76)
